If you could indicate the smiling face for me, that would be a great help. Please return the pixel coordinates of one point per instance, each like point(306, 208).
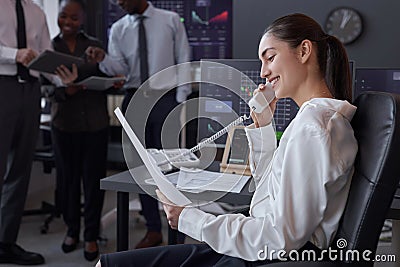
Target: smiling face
point(281, 65)
point(70, 18)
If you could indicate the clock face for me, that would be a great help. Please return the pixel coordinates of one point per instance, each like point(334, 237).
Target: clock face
point(345, 24)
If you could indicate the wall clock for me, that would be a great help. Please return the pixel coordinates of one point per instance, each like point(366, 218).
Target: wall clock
point(345, 23)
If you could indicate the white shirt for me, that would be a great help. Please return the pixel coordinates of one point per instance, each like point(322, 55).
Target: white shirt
point(301, 188)
point(167, 45)
point(37, 33)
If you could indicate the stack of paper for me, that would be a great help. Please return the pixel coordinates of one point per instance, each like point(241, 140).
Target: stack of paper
point(100, 83)
point(197, 180)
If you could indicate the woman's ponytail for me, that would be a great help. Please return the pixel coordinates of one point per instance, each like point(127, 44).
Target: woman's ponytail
point(337, 74)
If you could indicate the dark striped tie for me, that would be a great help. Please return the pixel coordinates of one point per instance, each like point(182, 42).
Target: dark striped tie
point(22, 71)
point(144, 65)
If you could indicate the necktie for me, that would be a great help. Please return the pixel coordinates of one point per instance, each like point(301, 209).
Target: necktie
point(144, 65)
point(22, 71)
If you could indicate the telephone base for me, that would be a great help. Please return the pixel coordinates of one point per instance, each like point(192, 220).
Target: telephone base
point(161, 155)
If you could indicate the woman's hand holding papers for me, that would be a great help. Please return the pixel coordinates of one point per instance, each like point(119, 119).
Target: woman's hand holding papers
point(171, 210)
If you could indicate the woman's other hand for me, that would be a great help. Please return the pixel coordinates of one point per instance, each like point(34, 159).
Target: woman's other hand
point(171, 210)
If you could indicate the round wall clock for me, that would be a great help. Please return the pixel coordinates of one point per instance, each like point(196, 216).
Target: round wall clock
point(345, 23)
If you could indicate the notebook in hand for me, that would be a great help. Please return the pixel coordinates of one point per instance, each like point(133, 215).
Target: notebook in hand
point(48, 61)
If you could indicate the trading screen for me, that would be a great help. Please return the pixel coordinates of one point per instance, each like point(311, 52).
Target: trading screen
point(208, 24)
point(370, 79)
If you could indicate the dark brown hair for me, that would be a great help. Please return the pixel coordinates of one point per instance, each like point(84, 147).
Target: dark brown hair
point(332, 57)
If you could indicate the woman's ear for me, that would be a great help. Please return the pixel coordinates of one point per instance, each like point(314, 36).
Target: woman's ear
point(305, 47)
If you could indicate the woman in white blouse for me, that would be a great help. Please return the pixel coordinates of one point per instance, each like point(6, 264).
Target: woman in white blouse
point(301, 186)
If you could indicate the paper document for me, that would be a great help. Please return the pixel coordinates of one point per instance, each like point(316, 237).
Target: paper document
point(165, 186)
point(100, 83)
point(48, 61)
point(197, 180)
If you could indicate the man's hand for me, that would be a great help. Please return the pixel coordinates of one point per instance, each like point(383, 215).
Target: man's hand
point(66, 76)
point(95, 54)
point(119, 85)
point(25, 56)
point(171, 210)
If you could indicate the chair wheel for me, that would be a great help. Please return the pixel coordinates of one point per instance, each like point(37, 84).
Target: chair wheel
point(44, 229)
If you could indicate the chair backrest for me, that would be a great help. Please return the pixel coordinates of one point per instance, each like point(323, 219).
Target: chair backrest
point(44, 149)
point(376, 126)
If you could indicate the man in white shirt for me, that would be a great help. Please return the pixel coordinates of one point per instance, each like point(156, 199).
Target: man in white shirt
point(19, 117)
point(167, 45)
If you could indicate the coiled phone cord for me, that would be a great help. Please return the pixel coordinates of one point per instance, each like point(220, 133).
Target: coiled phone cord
point(212, 138)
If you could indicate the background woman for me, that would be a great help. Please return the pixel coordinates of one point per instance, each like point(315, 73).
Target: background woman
point(80, 134)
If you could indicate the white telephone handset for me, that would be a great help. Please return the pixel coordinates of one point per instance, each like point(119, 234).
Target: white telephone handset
point(262, 99)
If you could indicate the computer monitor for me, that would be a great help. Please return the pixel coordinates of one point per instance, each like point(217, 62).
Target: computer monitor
point(208, 24)
point(352, 66)
point(218, 105)
point(377, 79)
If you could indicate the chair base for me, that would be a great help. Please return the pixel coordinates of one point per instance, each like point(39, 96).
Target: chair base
point(46, 208)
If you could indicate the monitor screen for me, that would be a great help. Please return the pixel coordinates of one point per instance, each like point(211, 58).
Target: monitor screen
point(218, 105)
point(377, 79)
point(239, 152)
point(352, 66)
point(208, 24)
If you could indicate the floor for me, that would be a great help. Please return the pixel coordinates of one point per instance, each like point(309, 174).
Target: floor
point(49, 244)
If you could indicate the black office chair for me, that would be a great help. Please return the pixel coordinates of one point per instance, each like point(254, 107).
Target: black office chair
point(377, 171)
point(44, 149)
point(44, 153)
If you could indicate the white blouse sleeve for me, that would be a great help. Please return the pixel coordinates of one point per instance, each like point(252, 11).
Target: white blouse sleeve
point(262, 144)
point(290, 216)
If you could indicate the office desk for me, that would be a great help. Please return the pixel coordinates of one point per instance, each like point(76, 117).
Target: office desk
point(123, 184)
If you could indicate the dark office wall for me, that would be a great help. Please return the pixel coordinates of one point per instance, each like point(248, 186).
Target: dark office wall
point(378, 46)
point(95, 23)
